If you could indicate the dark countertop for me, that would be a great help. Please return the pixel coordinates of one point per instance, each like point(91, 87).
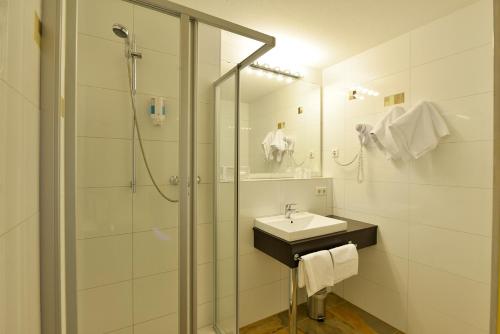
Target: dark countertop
point(360, 233)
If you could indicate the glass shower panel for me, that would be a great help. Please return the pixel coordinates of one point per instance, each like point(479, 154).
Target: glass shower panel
point(127, 233)
point(225, 232)
point(208, 66)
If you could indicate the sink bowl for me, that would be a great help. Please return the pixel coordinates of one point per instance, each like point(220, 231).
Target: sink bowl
point(301, 225)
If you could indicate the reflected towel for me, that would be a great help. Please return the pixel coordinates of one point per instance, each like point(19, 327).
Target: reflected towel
point(266, 146)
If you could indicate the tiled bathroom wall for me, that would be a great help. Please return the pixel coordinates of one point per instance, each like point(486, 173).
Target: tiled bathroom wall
point(263, 281)
point(127, 247)
point(430, 272)
point(19, 151)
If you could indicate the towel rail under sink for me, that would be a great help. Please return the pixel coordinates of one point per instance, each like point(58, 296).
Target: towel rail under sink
point(297, 257)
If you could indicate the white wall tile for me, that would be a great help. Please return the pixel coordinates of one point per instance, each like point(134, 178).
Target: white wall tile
point(159, 247)
point(96, 17)
point(454, 76)
point(31, 53)
point(163, 159)
point(425, 320)
point(155, 296)
point(258, 303)
point(385, 269)
point(13, 67)
point(103, 162)
point(257, 269)
point(110, 60)
point(452, 34)
point(456, 297)
point(205, 315)
point(31, 143)
point(385, 304)
point(103, 113)
point(156, 31)
point(151, 211)
point(205, 243)
point(459, 253)
point(3, 167)
point(468, 118)
point(105, 309)
point(205, 282)
point(466, 164)
point(13, 158)
point(379, 198)
point(104, 260)
point(392, 234)
point(103, 211)
point(161, 325)
point(454, 208)
point(158, 74)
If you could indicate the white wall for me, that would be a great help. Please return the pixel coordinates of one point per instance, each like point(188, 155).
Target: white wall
point(127, 247)
point(19, 141)
point(430, 272)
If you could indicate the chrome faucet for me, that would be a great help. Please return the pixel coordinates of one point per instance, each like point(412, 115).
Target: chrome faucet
point(289, 209)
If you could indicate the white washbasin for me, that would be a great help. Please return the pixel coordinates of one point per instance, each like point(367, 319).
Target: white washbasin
point(301, 225)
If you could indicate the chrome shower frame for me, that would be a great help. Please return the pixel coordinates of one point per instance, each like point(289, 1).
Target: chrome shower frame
point(58, 241)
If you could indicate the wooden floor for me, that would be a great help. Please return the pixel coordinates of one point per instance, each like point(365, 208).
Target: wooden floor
point(341, 318)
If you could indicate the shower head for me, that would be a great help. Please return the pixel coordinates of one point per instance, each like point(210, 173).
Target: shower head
point(120, 31)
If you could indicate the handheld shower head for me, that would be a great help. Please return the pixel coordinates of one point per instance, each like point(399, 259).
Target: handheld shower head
point(121, 31)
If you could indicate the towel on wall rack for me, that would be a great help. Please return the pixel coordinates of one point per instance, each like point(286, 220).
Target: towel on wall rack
point(345, 262)
point(419, 130)
point(382, 135)
point(315, 272)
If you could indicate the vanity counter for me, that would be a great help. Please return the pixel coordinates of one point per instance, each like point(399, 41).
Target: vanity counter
point(359, 233)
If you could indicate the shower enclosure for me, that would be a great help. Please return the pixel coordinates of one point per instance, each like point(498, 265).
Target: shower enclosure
point(150, 226)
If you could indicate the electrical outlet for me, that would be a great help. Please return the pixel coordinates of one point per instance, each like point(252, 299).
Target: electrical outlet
point(320, 191)
point(335, 152)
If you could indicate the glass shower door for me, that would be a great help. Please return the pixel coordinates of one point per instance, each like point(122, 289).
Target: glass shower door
point(127, 234)
point(226, 238)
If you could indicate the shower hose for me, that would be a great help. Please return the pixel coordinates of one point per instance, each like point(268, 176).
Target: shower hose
point(139, 139)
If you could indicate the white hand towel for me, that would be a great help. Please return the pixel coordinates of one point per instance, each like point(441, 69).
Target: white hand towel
point(383, 137)
point(419, 130)
point(266, 146)
point(315, 272)
point(345, 262)
point(278, 145)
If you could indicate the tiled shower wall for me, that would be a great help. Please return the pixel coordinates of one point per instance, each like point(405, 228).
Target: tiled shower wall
point(19, 142)
point(127, 247)
point(430, 272)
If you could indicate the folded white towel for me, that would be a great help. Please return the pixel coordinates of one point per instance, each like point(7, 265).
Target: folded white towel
point(383, 137)
point(345, 262)
point(418, 131)
point(315, 272)
point(266, 146)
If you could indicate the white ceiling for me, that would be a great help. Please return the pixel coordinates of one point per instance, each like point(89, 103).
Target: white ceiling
point(320, 33)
